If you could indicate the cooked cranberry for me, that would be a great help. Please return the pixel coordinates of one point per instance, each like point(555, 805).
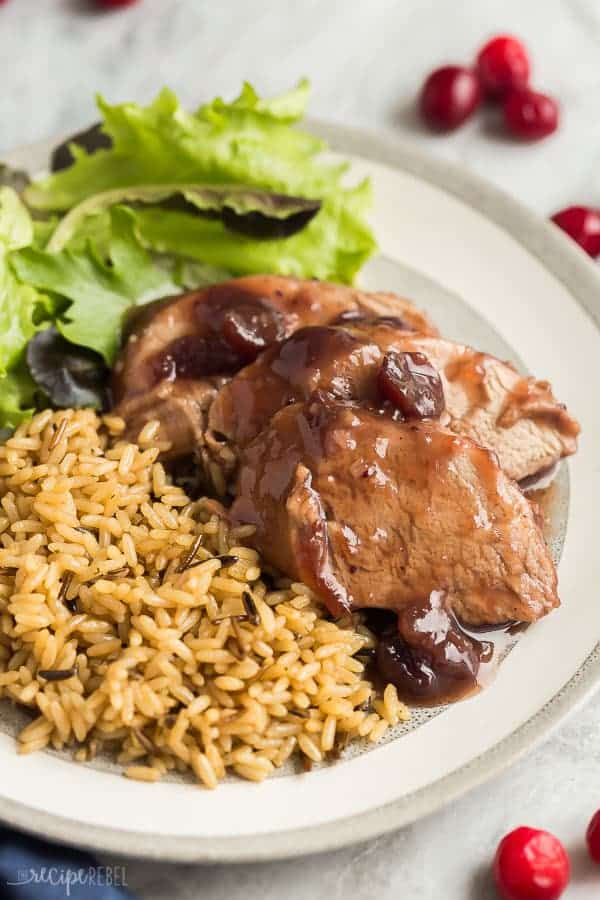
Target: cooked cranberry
point(531, 865)
point(582, 223)
point(448, 97)
point(428, 656)
point(592, 837)
point(251, 327)
point(503, 66)
point(530, 115)
point(195, 357)
point(399, 664)
point(409, 382)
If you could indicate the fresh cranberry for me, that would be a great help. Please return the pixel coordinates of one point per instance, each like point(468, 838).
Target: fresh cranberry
point(531, 865)
point(448, 97)
point(530, 115)
point(503, 66)
point(592, 837)
point(114, 4)
point(582, 223)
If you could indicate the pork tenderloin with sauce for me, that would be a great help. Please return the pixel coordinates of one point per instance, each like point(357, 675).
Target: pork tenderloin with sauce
point(371, 512)
point(214, 332)
point(485, 399)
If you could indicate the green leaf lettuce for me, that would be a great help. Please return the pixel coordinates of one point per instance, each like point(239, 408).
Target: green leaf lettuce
point(100, 291)
point(249, 141)
point(176, 200)
point(17, 398)
point(20, 304)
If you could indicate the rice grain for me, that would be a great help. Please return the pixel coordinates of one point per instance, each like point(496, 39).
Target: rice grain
point(136, 622)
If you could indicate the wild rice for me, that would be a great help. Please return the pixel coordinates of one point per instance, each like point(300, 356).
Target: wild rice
point(135, 621)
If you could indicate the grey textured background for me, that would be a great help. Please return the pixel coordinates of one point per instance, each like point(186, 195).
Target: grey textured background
point(366, 59)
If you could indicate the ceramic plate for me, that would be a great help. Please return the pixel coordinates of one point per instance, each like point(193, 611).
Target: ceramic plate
point(492, 274)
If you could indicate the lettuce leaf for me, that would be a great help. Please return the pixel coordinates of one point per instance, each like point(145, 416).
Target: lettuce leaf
point(172, 199)
point(314, 252)
point(99, 290)
point(248, 141)
point(16, 227)
point(251, 142)
point(17, 398)
point(20, 304)
point(224, 200)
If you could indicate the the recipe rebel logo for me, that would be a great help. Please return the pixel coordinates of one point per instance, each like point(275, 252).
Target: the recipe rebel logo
point(67, 877)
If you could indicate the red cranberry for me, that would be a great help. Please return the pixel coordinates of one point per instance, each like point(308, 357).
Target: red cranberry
point(448, 97)
point(114, 4)
point(530, 115)
point(503, 66)
point(410, 383)
point(592, 837)
point(531, 865)
point(582, 223)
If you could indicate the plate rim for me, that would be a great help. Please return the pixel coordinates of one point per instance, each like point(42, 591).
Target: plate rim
point(571, 266)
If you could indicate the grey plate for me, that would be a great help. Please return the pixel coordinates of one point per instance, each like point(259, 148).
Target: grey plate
point(582, 280)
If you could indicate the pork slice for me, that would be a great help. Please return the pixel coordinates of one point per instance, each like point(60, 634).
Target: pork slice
point(181, 407)
point(490, 402)
point(186, 335)
point(323, 357)
point(202, 338)
point(486, 399)
point(370, 512)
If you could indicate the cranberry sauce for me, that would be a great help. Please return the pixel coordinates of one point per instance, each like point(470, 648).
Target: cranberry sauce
point(428, 655)
point(232, 329)
point(533, 399)
point(195, 357)
point(358, 316)
point(469, 368)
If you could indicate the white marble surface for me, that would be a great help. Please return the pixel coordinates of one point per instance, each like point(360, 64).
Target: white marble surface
point(366, 59)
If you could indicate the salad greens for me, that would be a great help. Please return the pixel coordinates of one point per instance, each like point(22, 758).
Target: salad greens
point(239, 201)
point(17, 398)
point(69, 375)
point(162, 200)
point(100, 290)
point(20, 306)
point(248, 141)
